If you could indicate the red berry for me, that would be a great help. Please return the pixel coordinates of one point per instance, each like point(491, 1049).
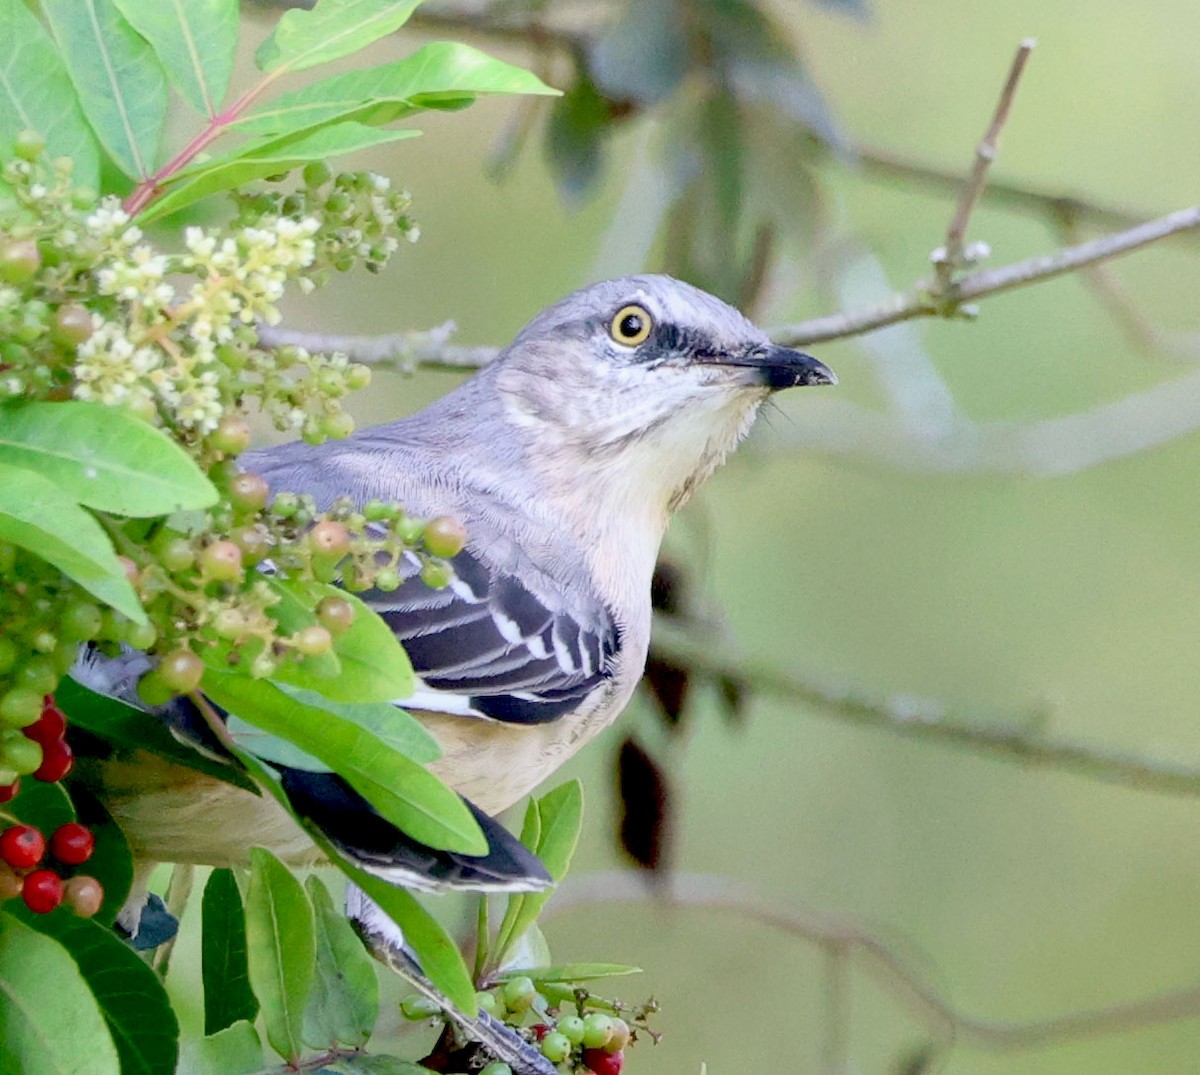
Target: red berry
point(9, 791)
point(50, 725)
point(42, 891)
point(72, 843)
point(57, 761)
point(22, 846)
point(597, 1061)
point(540, 1030)
point(83, 895)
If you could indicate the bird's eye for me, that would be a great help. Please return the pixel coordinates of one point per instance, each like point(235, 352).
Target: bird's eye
point(631, 325)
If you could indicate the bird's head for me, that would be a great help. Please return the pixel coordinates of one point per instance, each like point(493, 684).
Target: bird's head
point(646, 379)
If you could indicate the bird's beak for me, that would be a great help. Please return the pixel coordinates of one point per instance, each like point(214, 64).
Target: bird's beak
point(780, 367)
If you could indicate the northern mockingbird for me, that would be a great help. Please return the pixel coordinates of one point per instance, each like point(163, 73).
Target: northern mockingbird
point(564, 459)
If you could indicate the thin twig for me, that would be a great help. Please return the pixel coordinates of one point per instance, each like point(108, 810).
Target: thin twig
point(1012, 740)
point(985, 156)
point(887, 966)
point(179, 891)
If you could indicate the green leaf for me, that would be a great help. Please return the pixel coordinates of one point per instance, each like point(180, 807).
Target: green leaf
point(333, 28)
point(438, 954)
point(37, 515)
point(120, 83)
point(43, 805)
point(195, 40)
point(399, 729)
point(294, 611)
point(50, 1023)
point(405, 793)
point(345, 997)
point(439, 75)
point(555, 834)
point(272, 748)
point(572, 972)
point(282, 949)
point(224, 969)
point(104, 457)
point(575, 135)
point(644, 54)
point(130, 995)
point(235, 1050)
point(374, 1064)
point(36, 94)
point(132, 728)
point(261, 159)
point(373, 666)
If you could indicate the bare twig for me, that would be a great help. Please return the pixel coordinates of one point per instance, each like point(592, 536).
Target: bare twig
point(1019, 740)
point(879, 958)
point(985, 155)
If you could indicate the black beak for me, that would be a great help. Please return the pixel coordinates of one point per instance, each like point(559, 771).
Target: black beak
point(781, 367)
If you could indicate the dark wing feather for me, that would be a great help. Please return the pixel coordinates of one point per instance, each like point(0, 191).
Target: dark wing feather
point(489, 646)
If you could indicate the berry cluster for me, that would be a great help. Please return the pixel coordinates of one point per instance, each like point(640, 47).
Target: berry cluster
point(23, 871)
point(36, 747)
point(573, 1029)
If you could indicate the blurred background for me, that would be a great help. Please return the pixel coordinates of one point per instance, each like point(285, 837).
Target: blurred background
point(911, 535)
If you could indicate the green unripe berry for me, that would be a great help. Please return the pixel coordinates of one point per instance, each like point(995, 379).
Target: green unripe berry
point(140, 635)
point(337, 426)
point(436, 575)
point(83, 198)
point(248, 493)
point(597, 1029)
point(555, 1047)
point(285, 505)
point(23, 756)
point(445, 536)
point(19, 261)
point(20, 707)
point(175, 552)
point(37, 675)
point(375, 511)
point(571, 1028)
point(229, 623)
point(312, 641)
point(358, 376)
point(263, 665)
point(409, 530)
point(63, 658)
point(254, 541)
point(28, 145)
point(44, 641)
point(221, 562)
point(336, 614)
point(72, 325)
point(417, 1007)
point(519, 993)
point(80, 622)
point(152, 690)
point(316, 174)
point(181, 671)
point(497, 1067)
point(487, 1002)
point(8, 654)
point(387, 579)
point(232, 435)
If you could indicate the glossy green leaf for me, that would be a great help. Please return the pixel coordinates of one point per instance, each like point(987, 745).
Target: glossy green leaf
point(235, 1050)
point(559, 821)
point(332, 28)
point(36, 94)
point(119, 80)
point(262, 159)
point(438, 954)
point(195, 40)
point(405, 793)
point(436, 951)
point(281, 936)
point(41, 804)
point(37, 515)
point(104, 457)
point(130, 995)
point(50, 1023)
point(128, 727)
point(296, 609)
point(435, 76)
point(399, 729)
point(269, 747)
point(372, 665)
point(345, 996)
point(572, 972)
point(374, 1064)
point(224, 968)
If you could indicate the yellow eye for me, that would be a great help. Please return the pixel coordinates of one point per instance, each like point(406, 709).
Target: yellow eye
point(631, 325)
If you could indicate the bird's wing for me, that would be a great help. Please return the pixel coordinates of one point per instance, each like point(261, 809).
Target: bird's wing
point(488, 646)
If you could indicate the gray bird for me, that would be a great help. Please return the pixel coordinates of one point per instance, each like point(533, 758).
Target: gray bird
point(564, 459)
